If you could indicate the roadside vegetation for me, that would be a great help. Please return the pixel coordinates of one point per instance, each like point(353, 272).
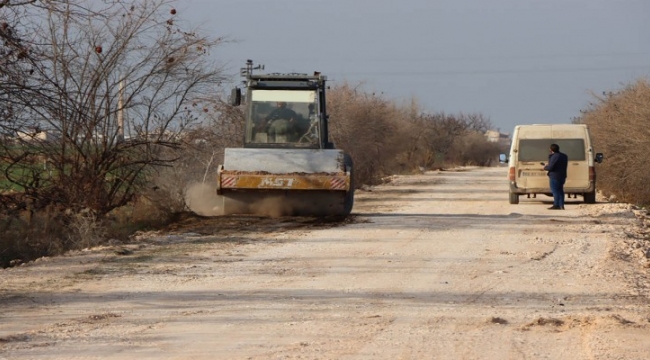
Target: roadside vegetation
point(620, 127)
point(94, 98)
point(108, 113)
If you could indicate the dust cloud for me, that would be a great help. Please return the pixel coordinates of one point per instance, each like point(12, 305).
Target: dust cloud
point(273, 207)
point(202, 199)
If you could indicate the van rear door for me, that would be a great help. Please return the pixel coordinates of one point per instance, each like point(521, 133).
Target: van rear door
point(578, 168)
point(530, 172)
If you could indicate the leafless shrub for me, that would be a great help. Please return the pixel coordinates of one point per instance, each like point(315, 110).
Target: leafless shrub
point(473, 149)
point(620, 127)
point(29, 236)
point(385, 138)
point(201, 151)
point(439, 133)
point(440, 139)
point(86, 230)
point(364, 125)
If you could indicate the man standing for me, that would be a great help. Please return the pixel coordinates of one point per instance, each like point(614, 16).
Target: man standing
point(556, 167)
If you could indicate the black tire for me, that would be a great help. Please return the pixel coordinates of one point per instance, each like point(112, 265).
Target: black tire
point(514, 198)
point(349, 196)
point(590, 197)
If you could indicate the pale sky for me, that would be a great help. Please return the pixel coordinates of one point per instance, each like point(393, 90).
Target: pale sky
point(515, 61)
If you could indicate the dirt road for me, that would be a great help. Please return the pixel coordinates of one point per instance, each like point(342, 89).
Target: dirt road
point(433, 266)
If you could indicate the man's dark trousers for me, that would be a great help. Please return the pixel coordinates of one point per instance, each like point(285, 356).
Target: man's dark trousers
point(557, 188)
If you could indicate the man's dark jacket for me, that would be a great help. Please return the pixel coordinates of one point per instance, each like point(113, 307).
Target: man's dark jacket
point(557, 165)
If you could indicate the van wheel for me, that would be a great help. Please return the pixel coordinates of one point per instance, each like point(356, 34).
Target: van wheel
point(514, 198)
point(590, 198)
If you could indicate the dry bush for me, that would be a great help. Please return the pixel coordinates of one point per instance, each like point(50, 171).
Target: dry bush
point(385, 138)
point(620, 128)
point(365, 126)
point(140, 215)
point(440, 131)
point(410, 139)
point(474, 149)
point(26, 236)
point(201, 152)
point(29, 236)
point(85, 230)
point(439, 140)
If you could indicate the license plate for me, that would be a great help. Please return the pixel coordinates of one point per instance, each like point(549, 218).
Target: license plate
point(533, 173)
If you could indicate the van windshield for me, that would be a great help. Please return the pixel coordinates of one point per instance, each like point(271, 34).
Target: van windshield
point(537, 149)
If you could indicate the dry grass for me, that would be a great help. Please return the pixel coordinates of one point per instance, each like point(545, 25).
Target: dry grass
point(26, 237)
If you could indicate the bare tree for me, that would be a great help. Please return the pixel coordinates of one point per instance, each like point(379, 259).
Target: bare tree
point(441, 139)
point(98, 96)
point(441, 130)
point(476, 122)
point(17, 18)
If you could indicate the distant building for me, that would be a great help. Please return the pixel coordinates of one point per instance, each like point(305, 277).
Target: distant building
point(497, 136)
point(38, 135)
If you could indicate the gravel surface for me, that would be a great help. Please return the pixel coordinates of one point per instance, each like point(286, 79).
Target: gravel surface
point(431, 266)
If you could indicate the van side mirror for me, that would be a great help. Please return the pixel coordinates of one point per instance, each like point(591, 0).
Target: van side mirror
point(503, 158)
point(599, 157)
point(235, 97)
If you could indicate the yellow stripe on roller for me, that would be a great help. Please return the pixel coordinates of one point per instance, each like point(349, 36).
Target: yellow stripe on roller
point(240, 180)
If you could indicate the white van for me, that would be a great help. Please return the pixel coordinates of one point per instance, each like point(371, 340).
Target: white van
point(529, 153)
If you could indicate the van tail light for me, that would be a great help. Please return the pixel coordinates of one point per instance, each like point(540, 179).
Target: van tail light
point(592, 173)
point(511, 174)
